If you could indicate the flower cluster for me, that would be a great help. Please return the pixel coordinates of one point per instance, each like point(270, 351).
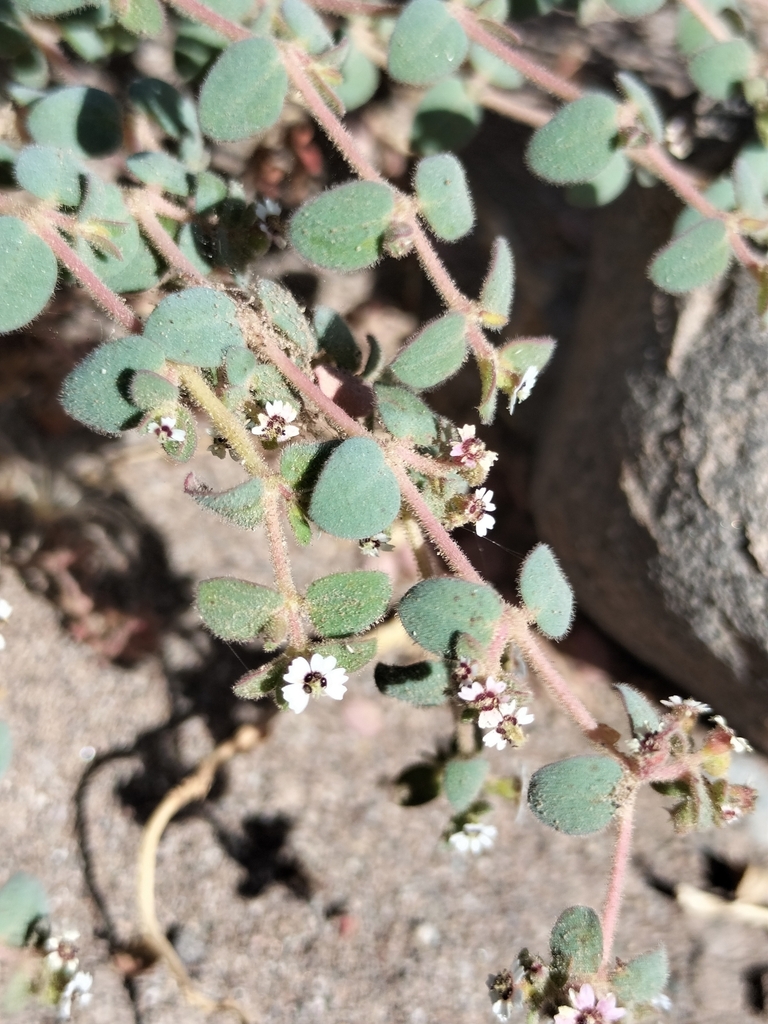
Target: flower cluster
point(312, 678)
point(61, 964)
point(502, 718)
point(5, 614)
point(586, 1008)
point(276, 425)
point(470, 452)
point(373, 546)
point(167, 430)
point(737, 743)
point(689, 706)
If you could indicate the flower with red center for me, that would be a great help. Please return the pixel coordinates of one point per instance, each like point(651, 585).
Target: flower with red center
point(167, 430)
point(307, 679)
point(476, 510)
point(470, 450)
point(586, 1008)
point(276, 425)
point(508, 729)
point(485, 698)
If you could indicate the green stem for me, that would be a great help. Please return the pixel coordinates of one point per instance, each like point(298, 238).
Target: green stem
point(278, 549)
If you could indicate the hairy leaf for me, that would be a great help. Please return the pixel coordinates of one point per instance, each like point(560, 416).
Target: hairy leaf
point(463, 779)
point(356, 495)
point(577, 795)
point(28, 271)
point(308, 27)
point(80, 119)
point(244, 91)
point(578, 143)
point(286, 314)
point(336, 339)
point(607, 186)
point(434, 354)
point(642, 979)
point(444, 199)
point(360, 79)
point(498, 288)
point(718, 68)
point(148, 390)
point(645, 102)
point(692, 259)
point(576, 941)
point(427, 43)
point(50, 174)
point(546, 592)
point(195, 326)
point(241, 505)
point(348, 602)
point(435, 612)
point(160, 169)
point(423, 683)
point(446, 119)
point(404, 414)
point(343, 228)
point(643, 716)
point(235, 609)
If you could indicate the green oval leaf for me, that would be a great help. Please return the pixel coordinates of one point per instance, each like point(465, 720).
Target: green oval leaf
point(692, 36)
point(52, 8)
point(49, 174)
point(286, 314)
point(719, 68)
point(348, 602)
point(148, 390)
point(643, 716)
point(423, 684)
point(642, 979)
point(493, 69)
point(241, 505)
point(360, 79)
point(607, 186)
point(446, 119)
point(195, 326)
point(462, 781)
point(244, 91)
point(578, 143)
point(435, 612)
point(404, 414)
point(546, 592)
point(307, 26)
point(343, 229)
point(336, 339)
point(235, 609)
point(444, 199)
point(28, 271)
point(97, 391)
point(356, 495)
point(85, 121)
point(577, 795)
point(427, 43)
point(499, 285)
point(692, 259)
point(22, 902)
point(576, 942)
point(645, 103)
point(434, 354)
point(351, 654)
point(141, 17)
point(158, 168)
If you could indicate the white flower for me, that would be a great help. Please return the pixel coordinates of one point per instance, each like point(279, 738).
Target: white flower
point(2, 642)
point(693, 707)
point(738, 744)
point(373, 546)
point(510, 718)
point(267, 208)
point(496, 739)
point(276, 425)
point(662, 1002)
point(61, 953)
point(470, 450)
point(586, 1008)
point(485, 697)
point(311, 678)
point(473, 838)
point(78, 987)
point(524, 388)
point(167, 430)
point(5, 610)
point(477, 509)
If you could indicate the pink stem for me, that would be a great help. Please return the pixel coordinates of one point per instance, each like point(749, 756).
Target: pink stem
point(710, 21)
point(508, 106)
point(536, 657)
point(105, 297)
point(330, 124)
point(278, 550)
point(166, 208)
point(621, 858)
point(199, 12)
point(354, 7)
point(545, 79)
point(164, 244)
point(433, 267)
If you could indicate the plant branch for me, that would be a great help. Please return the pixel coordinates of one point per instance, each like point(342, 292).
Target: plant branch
point(621, 858)
point(297, 636)
point(536, 657)
point(199, 12)
point(195, 787)
point(224, 420)
point(523, 111)
point(165, 245)
point(708, 19)
point(104, 296)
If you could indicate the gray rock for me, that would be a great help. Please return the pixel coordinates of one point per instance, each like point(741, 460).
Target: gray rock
point(651, 482)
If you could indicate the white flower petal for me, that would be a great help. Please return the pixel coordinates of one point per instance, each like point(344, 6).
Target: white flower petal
point(334, 687)
point(495, 739)
point(485, 524)
point(296, 697)
point(297, 670)
point(178, 435)
point(471, 692)
point(323, 665)
point(5, 610)
point(459, 841)
point(495, 686)
point(489, 719)
point(467, 431)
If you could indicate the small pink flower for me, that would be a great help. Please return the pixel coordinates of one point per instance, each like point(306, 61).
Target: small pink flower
point(470, 450)
point(586, 1008)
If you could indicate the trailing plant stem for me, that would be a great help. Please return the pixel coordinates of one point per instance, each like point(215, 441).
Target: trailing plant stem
point(621, 857)
point(278, 549)
point(716, 28)
point(199, 12)
point(160, 238)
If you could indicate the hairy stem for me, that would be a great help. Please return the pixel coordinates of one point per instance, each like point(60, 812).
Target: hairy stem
point(278, 549)
point(621, 857)
point(106, 298)
point(162, 241)
point(536, 657)
point(224, 420)
point(199, 12)
point(708, 19)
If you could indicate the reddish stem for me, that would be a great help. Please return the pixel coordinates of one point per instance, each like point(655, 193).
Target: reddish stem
point(199, 12)
point(545, 79)
point(164, 244)
point(621, 857)
point(278, 550)
point(436, 272)
point(710, 21)
point(105, 297)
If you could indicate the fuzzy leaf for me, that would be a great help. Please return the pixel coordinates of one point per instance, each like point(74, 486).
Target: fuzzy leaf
point(348, 602)
point(6, 748)
point(446, 119)
point(643, 717)
point(235, 609)
point(435, 612)
point(244, 91)
point(444, 199)
point(489, 388)
point(336, 339)
point(642, 979)
point(692, 36)
point(50, 174)
point(578, 143)
point(22, 902)
point(268, 385)
point(493, 69)
point(343, 229)
point(166, 106)
point(299, 523)
point(240, 364)
point(635, 8)
point(141, 17)
point(96, 391)
point(286, 314)
point(718, 68)
point(607, 186)
point(360, 79)
point(645, 102)
point(498, 288)
point(692, 259)
point(240, 505)
point(195, 326)
point(300, 464)
point(520, 355)
point(576, 941)
point(356, 495)
point(148, 390)
point(427, 43)
point(261, 681)
point(28, 271)
point(307, 26)
point(351, 655)
point(720, 193)
point(52, 8)
point(462, 781)
point(577, 795)
point(423, 683)
point(434, 354)
point(85, 121)
point(546, 592)
point(404, 414)
point(210, 190)
point(160, 169)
